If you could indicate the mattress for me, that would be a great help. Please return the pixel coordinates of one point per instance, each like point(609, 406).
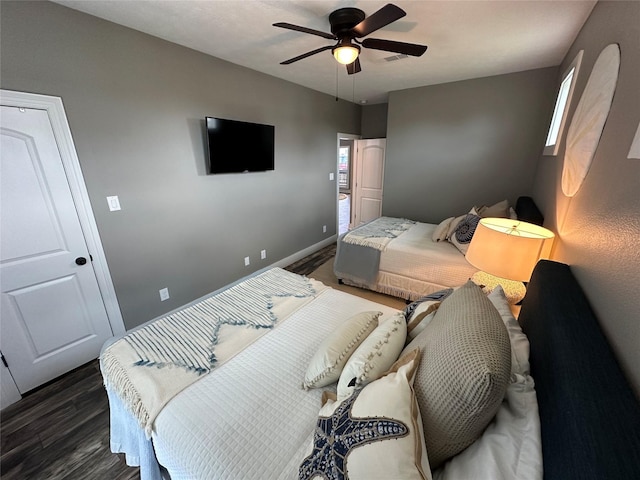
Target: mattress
point(224, 425)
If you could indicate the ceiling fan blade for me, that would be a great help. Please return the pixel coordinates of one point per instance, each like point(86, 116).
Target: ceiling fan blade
point(298, 28)
point(412, 49)
point(383, 17)
point(354, 67)
point(305, 55)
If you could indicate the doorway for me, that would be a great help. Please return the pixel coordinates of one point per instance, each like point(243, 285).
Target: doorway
point(360, 180)
point(345, 168)
point(58, 301)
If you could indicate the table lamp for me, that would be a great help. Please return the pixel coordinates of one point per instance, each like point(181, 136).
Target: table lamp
point(506, 251)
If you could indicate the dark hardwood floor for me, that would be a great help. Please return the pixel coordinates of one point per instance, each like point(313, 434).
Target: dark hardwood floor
point(61, 429)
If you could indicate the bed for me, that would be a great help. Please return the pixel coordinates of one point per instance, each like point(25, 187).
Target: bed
point(399, 257)
point(250, 418)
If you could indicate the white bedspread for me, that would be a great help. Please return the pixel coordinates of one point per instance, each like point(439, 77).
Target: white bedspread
point(149, 366)
point(250, 418)
point(413, 265)
point(415, 255)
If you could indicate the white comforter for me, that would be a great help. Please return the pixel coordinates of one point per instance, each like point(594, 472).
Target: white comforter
point(251, 420)
point(413, 265)
point(414, 254)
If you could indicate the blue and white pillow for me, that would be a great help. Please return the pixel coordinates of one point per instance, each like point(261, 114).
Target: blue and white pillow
point(374, 433)
point(464, 231)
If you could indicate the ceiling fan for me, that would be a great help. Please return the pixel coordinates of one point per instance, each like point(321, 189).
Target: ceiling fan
point(349, 24)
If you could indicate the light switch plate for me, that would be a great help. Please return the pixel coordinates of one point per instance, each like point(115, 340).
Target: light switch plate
point(114, 203)
point(331, 176)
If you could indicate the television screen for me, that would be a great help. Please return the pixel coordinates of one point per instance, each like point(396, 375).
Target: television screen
point(239, 147)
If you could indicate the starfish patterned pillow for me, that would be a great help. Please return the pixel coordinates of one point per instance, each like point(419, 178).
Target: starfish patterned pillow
point(376, 433)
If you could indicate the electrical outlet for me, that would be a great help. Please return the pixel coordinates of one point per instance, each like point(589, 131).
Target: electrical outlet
point(324, 229)
point(331, 177)
point(263, 254)
point(247, 261)
point(164, 294)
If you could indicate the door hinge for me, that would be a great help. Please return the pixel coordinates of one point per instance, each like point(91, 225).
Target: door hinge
point(4, 360)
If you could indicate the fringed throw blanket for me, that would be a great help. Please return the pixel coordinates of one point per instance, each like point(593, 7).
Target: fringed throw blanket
point(379, 232)
point(149, 366)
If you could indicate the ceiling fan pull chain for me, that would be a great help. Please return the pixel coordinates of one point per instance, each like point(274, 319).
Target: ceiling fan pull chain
point(353, 93)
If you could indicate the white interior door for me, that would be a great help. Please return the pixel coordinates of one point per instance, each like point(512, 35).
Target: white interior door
point(53, 315)
point(369, 173)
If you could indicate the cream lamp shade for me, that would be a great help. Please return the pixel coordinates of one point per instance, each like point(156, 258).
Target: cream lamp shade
point(509, 248)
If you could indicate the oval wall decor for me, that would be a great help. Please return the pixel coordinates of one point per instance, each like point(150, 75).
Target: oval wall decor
point(589, 119)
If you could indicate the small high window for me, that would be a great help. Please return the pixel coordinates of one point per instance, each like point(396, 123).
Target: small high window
point(562, 106)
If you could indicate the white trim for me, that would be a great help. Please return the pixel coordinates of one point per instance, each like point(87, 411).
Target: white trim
point(303, 253)
point(573, 69)
point(64, 139)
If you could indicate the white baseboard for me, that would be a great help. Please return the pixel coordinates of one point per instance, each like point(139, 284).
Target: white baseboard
point(303, 253)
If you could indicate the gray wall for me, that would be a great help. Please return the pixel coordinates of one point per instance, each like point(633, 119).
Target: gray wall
point(598, 229)
point(374, 120)
point(474, 142)
point(136, 106)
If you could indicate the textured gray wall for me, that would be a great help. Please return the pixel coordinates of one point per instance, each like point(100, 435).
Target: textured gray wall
point(374, 120)
point(136, 106)
point(598, 229)
point(474, 142)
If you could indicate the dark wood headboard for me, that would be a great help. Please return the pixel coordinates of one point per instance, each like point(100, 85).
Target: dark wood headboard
point(590, 417)
point(528, 211)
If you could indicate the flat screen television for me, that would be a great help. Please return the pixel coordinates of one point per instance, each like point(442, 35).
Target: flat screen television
point(239, 147)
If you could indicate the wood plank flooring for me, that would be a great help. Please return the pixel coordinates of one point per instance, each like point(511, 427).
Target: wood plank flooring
point(61, 430)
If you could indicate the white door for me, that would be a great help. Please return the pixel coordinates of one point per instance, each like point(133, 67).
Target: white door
point(53, 315)
point(369, 173)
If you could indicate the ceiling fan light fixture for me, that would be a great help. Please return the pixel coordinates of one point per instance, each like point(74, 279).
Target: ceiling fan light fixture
point(346, 53)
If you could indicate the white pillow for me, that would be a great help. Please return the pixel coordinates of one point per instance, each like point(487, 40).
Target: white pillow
point(421, 317)
point(440, 233)
point(375, 355)
point(519, 341)
point(454, 223)
point(463, 233)
point(376, 433)
point(332, 354)
point(500, 210)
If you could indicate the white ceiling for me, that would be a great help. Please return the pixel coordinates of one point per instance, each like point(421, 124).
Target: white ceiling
point(466, 39)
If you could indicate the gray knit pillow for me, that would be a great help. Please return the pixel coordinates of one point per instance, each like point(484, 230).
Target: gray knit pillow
point(464, 371)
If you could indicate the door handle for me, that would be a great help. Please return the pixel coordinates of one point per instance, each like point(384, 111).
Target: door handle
point(81, 261)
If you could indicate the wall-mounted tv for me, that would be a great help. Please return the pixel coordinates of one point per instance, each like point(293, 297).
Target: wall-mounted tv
point(239, 147)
